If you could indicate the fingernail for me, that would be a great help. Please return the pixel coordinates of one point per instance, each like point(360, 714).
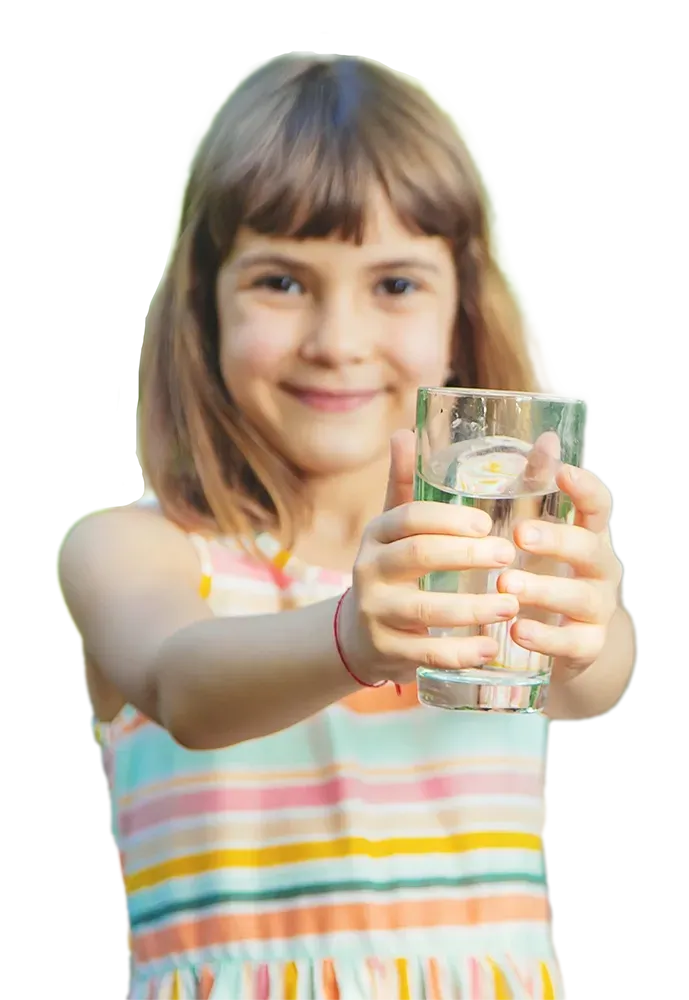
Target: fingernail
point(487, 656)
point(531, 536)
point(573, 473)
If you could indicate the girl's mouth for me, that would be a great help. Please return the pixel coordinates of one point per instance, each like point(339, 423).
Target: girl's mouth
point(330, 400)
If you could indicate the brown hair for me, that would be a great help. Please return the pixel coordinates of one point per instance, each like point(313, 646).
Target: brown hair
point(295, 151)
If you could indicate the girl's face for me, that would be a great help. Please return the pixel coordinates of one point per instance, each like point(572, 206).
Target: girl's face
point(323, 343)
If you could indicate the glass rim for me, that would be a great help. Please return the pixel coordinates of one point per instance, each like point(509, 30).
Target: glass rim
point(500, 394)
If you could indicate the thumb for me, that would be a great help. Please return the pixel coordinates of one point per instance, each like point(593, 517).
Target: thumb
point(543, 462)
point(401, 479)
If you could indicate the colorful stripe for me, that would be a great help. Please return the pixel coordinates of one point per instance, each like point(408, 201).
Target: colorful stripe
point(333, 919)
point(320, 796)
point(205, 984)
point(322, 772)
point(331, 988)
point(501, 989)
point(290, 983)
point(434, 981)
point(199, 904)
point(290, 854)
point(548, 988)
point(403, 978)
point(142, 851)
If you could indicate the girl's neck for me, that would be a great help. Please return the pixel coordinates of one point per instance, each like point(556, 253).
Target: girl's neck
point(341, 508)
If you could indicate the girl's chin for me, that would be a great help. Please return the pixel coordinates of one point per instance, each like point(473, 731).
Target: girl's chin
point(339, 460)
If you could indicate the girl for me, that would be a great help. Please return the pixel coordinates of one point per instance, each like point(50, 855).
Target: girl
point(289, 826)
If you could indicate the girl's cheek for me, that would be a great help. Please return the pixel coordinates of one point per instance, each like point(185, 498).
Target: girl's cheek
point(258, 349)
point(420, 357)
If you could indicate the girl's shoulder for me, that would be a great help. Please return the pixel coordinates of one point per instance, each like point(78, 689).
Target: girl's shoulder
point(138, 530)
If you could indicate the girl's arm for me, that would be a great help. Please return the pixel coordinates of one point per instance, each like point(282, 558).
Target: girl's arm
point(131, 582)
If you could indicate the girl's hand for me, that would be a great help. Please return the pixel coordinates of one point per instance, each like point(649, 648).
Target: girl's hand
point(587, 599)
point(385, 618)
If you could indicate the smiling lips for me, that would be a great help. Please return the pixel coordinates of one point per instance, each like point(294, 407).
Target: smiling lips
point(332, 401)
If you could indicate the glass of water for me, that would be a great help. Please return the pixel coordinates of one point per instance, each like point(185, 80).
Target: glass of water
point(499, 451)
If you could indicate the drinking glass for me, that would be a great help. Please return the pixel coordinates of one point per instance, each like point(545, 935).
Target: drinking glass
point(499, 451)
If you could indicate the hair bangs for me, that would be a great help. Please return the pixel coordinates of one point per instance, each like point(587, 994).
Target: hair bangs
point(425, 199)
point(310, 166)
point(312, 190)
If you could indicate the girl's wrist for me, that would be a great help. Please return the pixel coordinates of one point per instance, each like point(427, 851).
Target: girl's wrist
point(358, 665)
point(354, 672)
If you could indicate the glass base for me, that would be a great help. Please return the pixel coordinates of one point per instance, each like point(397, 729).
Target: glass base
point(482, 690)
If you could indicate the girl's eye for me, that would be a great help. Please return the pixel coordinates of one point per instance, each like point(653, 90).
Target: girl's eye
point(397, 286)
point(282, 283)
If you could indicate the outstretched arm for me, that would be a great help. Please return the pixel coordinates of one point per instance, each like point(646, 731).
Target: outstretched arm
point(131, 582)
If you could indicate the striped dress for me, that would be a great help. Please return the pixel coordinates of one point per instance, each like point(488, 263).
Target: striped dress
point(378, 850)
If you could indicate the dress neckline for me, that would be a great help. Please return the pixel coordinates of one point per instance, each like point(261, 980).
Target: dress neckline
point(289, 567)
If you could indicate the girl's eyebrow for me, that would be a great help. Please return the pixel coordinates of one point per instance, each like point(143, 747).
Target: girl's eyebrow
point(263, 259)
point(402, 263)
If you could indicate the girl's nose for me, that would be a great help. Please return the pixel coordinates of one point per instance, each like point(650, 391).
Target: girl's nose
point(339, 334)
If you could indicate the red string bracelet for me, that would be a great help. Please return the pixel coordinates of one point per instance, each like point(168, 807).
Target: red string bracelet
point(338, 647)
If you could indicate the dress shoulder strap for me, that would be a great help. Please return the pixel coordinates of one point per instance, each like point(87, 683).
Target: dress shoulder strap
point(203, 551)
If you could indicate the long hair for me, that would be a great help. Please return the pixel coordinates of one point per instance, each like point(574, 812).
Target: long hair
point(296, 151)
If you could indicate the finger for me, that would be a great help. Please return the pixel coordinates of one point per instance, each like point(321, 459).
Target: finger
point(401, 476)
point(591, 497)
point(577, 642)
point(576, 546)
point(411, 558)
point(542, 463)
point(549, 444)
point(581, 600)
point(442, 652)
point(436, 610)
point(426, 517)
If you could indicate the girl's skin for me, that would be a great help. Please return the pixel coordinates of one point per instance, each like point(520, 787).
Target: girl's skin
point(322, 345)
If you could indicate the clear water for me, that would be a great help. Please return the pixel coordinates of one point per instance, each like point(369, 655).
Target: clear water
point(513, 665)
